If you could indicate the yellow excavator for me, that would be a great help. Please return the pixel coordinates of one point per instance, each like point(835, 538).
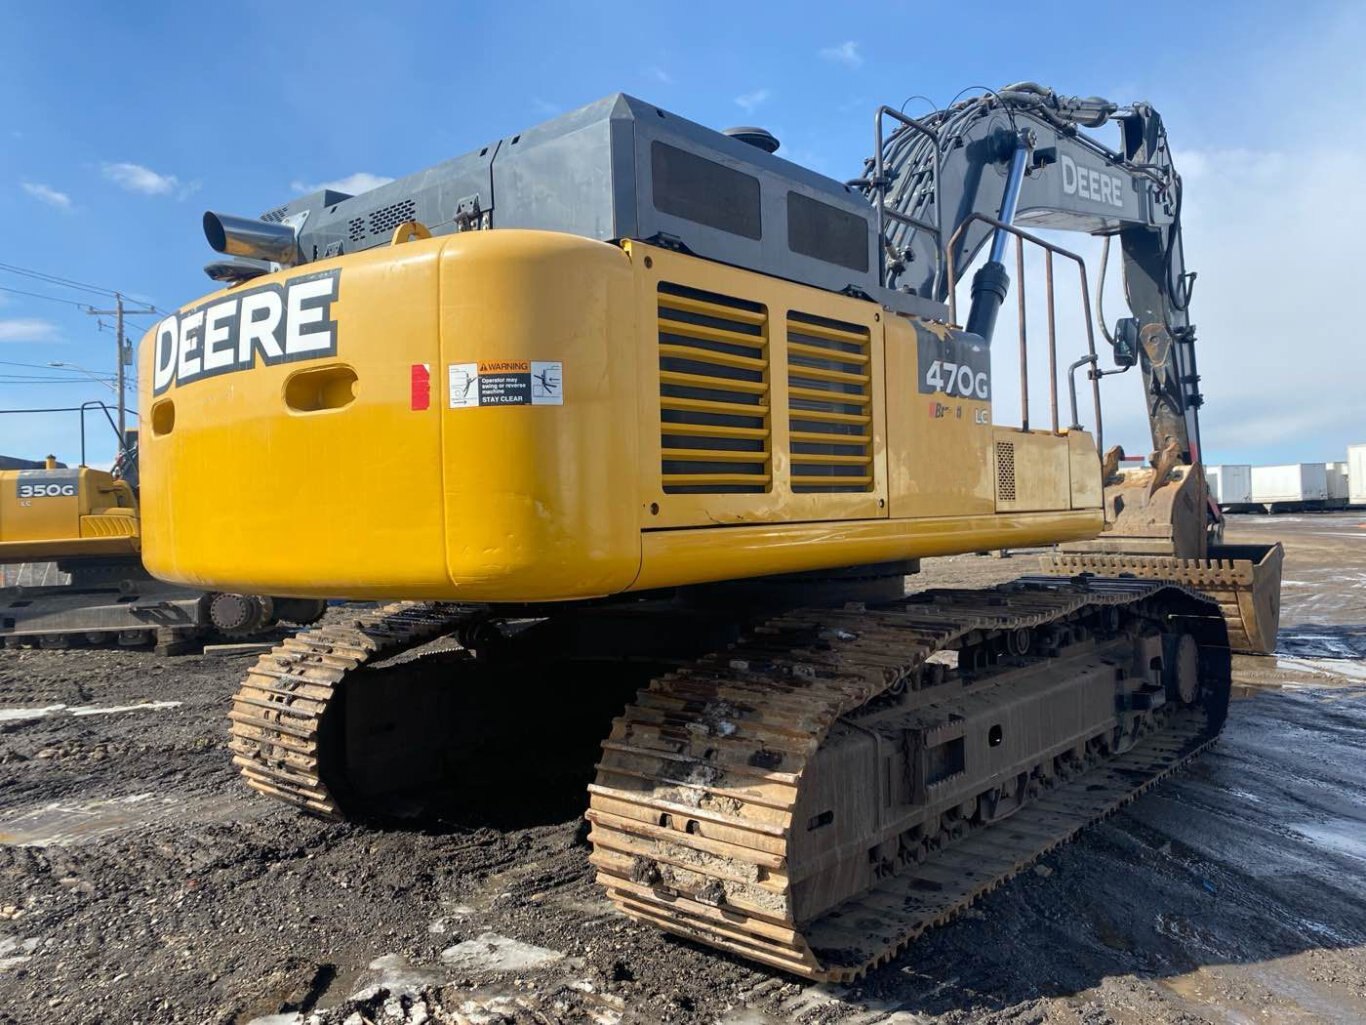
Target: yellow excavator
point(622, 394)
point(83, 523)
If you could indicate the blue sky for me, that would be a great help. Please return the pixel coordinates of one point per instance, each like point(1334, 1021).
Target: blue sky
point(121, 123)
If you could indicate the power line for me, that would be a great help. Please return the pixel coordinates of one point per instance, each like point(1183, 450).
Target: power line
point(18, 379)
point(39, 295)
point(39, 366)
point(56, 279)
point(53, 377)
point(56, 376)
point(123, 357)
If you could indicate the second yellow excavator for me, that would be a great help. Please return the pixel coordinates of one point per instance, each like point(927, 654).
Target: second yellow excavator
point(620, 393)
point(81, 524)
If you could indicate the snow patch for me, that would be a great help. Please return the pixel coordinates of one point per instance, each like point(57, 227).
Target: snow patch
point(395, 975)
point(21, 714)
point(493, 953)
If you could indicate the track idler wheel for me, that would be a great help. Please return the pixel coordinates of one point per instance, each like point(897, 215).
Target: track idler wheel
point(1181, 667)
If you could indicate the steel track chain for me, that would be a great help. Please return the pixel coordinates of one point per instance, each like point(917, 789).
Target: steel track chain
point(702, 775)
point(278, 710)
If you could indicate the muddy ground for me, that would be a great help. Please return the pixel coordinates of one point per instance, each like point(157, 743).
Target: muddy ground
point(139, 882)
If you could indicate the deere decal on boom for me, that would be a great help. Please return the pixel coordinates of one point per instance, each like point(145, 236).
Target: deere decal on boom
point(633, 395)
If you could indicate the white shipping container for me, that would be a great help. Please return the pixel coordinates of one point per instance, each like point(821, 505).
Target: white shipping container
point(1356, 474)
point(1289, 484)
point(1337, 481)
point(1230, 483)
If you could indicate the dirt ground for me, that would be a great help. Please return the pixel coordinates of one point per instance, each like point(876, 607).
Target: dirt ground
point(139, 882)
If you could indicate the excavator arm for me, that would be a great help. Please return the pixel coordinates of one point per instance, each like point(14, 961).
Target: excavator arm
point(1022, 155)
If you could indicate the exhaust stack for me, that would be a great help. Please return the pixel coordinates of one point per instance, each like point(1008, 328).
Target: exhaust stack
point(252, 238)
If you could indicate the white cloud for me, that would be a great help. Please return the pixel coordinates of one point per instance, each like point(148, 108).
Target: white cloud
point(47, 194)
point(352, 184)
point(752, 101)
point(544, 107)
point(27, 330)
point(845, 53)
point(1264, 229)
point(136, 178)
point(1277, 355)
point(659, 75)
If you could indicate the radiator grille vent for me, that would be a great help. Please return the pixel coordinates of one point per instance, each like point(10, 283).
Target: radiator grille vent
point(1005, 471)
point(275, 216)
point(714, 393)
point(355, 229)
point(829, 405)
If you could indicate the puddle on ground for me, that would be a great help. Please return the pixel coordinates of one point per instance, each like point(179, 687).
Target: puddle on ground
point(1323, 655)
point(1275, 990)
point(1345, 836)
point(1252, 686)
point(66, 823)
point(1334, 641)
point(1341, 670)
point(23, 714)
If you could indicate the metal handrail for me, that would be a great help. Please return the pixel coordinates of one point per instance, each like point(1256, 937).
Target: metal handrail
point(1050, 250)
point(880, 183)
point(81, 409)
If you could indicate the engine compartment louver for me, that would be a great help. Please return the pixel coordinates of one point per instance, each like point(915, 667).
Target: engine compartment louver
point(830, 400)
point(380, 221)
point(715, 435)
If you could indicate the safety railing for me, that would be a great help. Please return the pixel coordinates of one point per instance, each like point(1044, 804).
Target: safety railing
point(1089, 359)
point(81, 409)
point(878, 182)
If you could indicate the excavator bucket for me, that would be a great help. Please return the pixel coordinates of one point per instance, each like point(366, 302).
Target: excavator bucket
point(1244, 579)
point(1156, 520)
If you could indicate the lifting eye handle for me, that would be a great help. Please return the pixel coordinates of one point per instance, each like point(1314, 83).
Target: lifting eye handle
point(409, 231)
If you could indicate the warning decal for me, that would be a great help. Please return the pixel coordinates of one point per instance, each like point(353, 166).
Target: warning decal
point(510, 382)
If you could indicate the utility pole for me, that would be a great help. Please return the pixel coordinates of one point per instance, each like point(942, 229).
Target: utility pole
point(118, 335)
point(123, 355)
